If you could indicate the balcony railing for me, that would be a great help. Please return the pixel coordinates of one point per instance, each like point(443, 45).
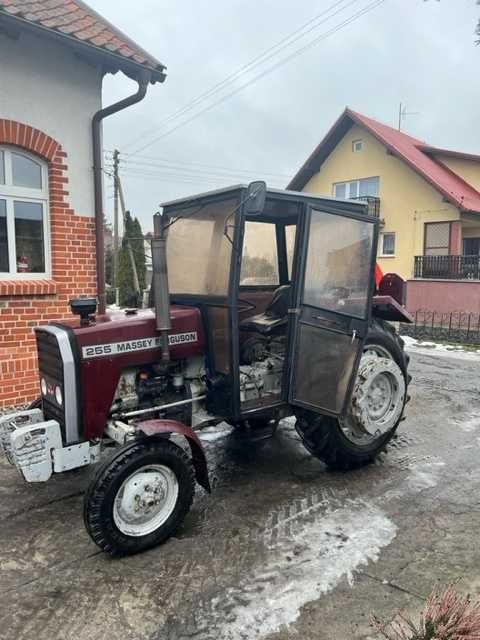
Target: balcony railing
point(447, 267)
point(373, 205)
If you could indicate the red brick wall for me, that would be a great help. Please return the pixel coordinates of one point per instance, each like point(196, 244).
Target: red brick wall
point(25, 304)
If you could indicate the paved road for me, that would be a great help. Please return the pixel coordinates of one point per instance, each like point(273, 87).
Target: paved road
point(282, 549)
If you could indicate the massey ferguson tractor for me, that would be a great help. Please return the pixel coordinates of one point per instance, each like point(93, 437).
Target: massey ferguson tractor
point(302, 331)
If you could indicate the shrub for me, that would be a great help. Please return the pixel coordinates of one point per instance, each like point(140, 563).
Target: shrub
point(446, 616)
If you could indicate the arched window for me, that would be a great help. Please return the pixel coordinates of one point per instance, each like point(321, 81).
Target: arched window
point(24, 235)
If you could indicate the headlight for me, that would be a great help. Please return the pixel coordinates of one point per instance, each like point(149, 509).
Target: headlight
point(43, 386)
point(58, 395)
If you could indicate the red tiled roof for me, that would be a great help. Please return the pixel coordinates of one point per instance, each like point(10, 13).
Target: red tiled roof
point(414, 152)
point(77, 22)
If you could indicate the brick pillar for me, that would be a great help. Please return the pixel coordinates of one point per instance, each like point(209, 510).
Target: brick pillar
point(456, 238)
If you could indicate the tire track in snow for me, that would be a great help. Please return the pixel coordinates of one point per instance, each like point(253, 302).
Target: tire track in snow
point(311, 543)
point(300, 566)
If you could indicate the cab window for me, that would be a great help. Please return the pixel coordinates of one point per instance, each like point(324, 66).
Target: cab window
point(259, 259)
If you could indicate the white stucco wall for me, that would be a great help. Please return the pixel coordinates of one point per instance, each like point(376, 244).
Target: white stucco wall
point(44, 84)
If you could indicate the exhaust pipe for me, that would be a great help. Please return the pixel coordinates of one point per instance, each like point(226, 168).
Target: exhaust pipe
point(161, 296)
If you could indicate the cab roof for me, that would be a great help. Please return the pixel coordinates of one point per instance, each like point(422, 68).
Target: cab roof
point(271, 193)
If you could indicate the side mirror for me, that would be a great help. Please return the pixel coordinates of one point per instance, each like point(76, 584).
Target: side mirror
point(255, 199)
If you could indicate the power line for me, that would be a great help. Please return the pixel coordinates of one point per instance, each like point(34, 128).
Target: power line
point(177, 179)
point(258, 60)
point(182, 181)
point(267, 71)
point(171, 173)
point(195, 166)
point(206, 178)
point(185, 180)
point(142, 166)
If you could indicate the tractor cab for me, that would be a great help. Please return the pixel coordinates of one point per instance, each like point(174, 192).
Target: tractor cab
point(285, 292)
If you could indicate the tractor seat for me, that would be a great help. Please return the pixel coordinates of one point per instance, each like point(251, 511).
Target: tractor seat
point(275, 316)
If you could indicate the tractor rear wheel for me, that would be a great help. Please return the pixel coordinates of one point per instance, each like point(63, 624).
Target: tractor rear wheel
point(138, 498)
point(376, 408)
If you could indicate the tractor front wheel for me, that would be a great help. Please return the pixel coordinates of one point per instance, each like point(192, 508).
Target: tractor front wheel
point(376, 408)
point(139, 498)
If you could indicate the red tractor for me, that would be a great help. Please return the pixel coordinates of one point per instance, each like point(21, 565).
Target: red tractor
point(295, 330)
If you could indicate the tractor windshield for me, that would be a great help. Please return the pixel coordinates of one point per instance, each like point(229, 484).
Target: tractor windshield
point(198, 249)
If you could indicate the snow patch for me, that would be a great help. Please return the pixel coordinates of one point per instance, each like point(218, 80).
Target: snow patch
point(471, 425)
point(210, 434)
point(439, 349)
point(299, 569)
point(425, 477)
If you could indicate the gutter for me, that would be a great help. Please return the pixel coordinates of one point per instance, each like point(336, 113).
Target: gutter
point(143, 80)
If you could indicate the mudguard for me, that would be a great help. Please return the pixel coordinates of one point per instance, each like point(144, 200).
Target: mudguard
point(199, 460)
point(388, 308)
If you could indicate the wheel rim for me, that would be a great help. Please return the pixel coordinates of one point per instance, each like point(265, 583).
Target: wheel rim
point(145, 500)
point(378, 397)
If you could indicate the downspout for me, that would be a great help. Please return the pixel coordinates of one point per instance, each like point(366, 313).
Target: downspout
point(143, 82)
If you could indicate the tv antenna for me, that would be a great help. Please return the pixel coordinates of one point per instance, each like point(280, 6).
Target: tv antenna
point(403, 113)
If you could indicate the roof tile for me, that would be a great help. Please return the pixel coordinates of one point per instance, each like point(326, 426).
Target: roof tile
point(12, 9)
point(73, 18)
point(114, 44)
point(78, 25)
point(102, 38)
point(66, 18)
point(90, 32)
point(45, 13)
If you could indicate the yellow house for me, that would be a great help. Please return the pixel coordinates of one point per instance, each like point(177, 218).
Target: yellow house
point(427, 199)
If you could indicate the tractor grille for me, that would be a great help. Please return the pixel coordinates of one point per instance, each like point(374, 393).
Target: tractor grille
point(49, 357)
point(50, 365)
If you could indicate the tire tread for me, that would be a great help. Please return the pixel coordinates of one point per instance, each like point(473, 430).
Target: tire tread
point(103, 533)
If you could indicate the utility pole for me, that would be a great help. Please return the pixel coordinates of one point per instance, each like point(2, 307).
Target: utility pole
point(116, 161)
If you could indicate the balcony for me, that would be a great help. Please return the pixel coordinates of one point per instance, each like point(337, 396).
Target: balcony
point(373, 205)
point(447, 267)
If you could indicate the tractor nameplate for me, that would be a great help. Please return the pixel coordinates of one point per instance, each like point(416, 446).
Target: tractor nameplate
point(140, 344)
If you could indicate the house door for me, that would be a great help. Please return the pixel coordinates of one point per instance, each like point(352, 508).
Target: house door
point(333, 309)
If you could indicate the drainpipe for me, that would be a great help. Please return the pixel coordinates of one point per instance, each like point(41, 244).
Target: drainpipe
point(143, 82)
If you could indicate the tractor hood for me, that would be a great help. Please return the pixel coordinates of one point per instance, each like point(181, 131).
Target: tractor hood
point(131, 335)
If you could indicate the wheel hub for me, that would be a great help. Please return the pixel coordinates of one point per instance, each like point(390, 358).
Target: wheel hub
point(379, 394)
point(150, 493)
point(145, 500)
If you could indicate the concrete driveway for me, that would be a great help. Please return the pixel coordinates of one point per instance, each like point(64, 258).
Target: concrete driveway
point(282, 549)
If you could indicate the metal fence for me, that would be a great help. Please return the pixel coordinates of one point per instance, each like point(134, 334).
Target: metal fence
point(373, 205)
point(457, 326)
point(447, 267)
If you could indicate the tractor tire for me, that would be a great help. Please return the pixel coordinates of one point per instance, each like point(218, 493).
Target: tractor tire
point(139, 498)
point(371, 420)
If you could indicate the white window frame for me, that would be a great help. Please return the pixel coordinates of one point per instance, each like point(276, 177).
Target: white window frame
point(9, 192)
point(357, 146)
point(356, 182)
point(380, 244)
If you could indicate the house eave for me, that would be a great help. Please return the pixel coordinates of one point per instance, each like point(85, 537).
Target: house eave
point(111, 61)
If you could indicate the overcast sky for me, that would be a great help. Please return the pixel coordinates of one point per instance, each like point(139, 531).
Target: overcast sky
point(419, 53)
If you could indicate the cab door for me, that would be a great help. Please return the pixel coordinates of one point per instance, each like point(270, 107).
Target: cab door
point(335, 285)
